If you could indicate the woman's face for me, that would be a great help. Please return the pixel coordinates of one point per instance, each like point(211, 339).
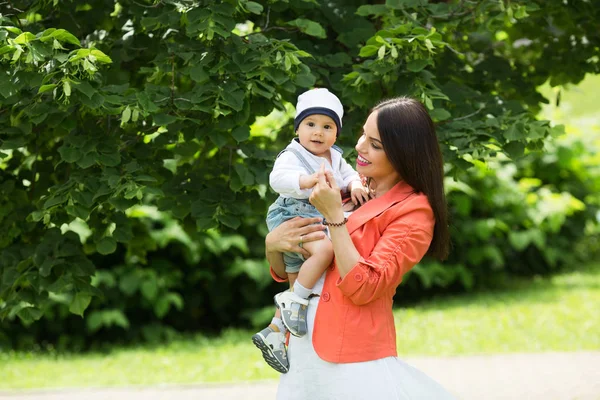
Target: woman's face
point(372, 161)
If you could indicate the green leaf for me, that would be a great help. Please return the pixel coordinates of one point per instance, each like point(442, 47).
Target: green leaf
point(13, 143)
point(122, 204)
point(368, 51)
point(24, 38)
point(109, 159)
point(60, 35)
point(537, 130)
point(85, 88)
point(46, 267)
point(401, 4)
point(54, 200)
point(78, 211)
point(30, 314)
point(514, 149)
point(229, 220)
point(129, 283)
point(7, 49)
point(45, 88)
point(80, 302)
point(126, 115)
point(309, 27)
point(439, 114)
point(557, 131)
point(417, 65)
point(241, 133)
point(145, 102)
point(428, 103)
point(162, 306)
point(514, 133)
point(123, 234)
point(164, 119)
point(233, 99)
point(144, 178)
point(106, 245)
point(37, 216)
point(198, 74)
point(69, 154)
point(149, 289)
point(376, 10)
point(246, 177)
point(218, 138)
point(254, 8)
point(66, 87)
point(521, 12)
point(100, 56)
point(87, 160)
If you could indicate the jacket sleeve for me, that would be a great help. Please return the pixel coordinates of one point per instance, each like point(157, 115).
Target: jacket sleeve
point(401, 247)
point(348, 174)
point(285, 177)
point(276, 277)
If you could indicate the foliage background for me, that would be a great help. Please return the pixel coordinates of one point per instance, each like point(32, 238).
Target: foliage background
point(134, 155)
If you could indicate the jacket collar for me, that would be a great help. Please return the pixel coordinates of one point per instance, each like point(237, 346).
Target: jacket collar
point(374, 207)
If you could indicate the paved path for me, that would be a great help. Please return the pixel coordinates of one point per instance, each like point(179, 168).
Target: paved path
point(548, 376)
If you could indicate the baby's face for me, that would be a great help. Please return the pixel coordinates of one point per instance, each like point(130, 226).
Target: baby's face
point(317, 133)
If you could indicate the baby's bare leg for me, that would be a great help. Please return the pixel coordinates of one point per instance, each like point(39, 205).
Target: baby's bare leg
point(294, 304)
point(292, 277)
point(321, 257)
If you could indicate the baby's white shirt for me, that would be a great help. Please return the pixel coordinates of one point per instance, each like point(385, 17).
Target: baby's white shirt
point(285, 176)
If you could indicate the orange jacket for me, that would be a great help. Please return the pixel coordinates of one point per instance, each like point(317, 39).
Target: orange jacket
point(354, 321)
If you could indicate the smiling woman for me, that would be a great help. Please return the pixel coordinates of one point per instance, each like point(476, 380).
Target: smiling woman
point(372, 160)
point(348, 349)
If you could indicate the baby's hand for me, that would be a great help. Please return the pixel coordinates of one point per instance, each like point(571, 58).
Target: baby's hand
point(359, 193)
point(308, 181)
point(348, 206)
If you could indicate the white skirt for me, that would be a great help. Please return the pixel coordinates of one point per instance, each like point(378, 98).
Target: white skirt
point(385, 379)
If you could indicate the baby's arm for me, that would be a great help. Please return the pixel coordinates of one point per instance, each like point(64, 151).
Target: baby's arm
point(358, 192)
point(308, 181)
point(286, 176)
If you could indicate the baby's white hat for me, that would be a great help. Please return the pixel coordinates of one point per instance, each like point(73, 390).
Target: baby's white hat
point(319, 101)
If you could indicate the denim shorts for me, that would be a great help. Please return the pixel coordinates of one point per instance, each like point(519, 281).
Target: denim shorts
point(282, 210)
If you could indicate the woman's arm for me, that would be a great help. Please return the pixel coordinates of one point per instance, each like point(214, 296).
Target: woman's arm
point(287, 238)
point(275, 260)
point(401, 246)
point(326, 198)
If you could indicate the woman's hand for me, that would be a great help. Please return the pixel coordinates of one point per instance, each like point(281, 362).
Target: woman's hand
point(326, 196)
point(288, 236)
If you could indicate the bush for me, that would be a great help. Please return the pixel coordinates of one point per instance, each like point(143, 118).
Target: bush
point(133, 186)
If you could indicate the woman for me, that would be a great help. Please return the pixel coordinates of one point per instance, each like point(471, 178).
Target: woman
point(350, 349)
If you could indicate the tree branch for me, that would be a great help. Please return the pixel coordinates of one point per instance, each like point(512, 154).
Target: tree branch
point(173, 80)
point(145, 6)
point(16, 16)
point(278, 28)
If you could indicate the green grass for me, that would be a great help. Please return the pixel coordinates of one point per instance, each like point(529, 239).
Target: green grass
point(548, 314)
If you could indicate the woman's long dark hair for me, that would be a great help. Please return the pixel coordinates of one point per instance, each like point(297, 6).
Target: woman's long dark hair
point(410, 143)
